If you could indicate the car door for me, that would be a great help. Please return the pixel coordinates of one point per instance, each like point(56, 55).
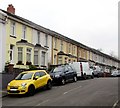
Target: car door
point(37, 81)
point(43, 78)
point(71, 72)
point(66, 72)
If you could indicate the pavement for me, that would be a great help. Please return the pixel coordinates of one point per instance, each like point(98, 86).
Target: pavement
point(3, 93)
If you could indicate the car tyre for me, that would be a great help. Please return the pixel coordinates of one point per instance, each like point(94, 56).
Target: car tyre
point(75, 79)
point(84, 77)
point(31, 90)
point(49, 85)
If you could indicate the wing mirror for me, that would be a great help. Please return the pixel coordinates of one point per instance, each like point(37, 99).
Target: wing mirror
point(36, 77)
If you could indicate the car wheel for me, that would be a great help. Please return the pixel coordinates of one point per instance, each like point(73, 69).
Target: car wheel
point(92, 76)
point(49, 85)
point(84, 77)
point(98, 75)
point(31, 90)
point(63, 81)
point(74, 78)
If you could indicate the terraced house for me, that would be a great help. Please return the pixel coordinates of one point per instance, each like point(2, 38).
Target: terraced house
point(27, 43)
point(3, 19)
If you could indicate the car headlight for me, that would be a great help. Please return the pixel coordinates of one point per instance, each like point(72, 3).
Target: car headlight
point(57, 75)
point(23, 84)
point(8, 84)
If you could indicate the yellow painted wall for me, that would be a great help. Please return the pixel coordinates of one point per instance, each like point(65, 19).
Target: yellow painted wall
point(11, 40)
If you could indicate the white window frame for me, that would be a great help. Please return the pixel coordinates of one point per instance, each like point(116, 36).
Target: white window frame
point(20, 52)
point(46, 40)
point(11, 53)
point(13, 29)
point(24, 29)
point(28, 54)
point(43, 58)
point(36, 54)
point(38, 37)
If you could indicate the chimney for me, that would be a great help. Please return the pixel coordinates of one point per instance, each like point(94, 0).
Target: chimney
point(11, 9)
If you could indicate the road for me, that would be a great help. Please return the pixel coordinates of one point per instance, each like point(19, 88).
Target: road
point(91, 92)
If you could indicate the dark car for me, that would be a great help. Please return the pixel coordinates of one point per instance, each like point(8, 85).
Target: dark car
point(63, 74)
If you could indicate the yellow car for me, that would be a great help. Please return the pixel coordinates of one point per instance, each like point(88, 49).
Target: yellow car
point(29, 81)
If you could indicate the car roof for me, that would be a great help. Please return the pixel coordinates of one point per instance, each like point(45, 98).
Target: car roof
point(33, 71)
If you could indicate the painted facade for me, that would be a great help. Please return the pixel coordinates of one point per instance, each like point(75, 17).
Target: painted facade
point(3, 21)
point(27, 43)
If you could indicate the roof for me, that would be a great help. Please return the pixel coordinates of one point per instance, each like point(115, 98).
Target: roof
point(58, 35)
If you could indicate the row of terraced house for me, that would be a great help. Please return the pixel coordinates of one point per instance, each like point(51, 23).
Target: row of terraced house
point(24, 43)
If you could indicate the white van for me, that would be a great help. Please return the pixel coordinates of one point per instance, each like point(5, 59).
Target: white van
point(83, 70)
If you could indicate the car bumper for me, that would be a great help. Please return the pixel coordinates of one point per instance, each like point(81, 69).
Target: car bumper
point(57, 80)
point(16, 91)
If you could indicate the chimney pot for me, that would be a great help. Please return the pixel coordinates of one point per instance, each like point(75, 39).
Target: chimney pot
point(11, 9)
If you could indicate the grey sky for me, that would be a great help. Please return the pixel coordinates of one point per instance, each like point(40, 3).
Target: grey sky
point(91, 22)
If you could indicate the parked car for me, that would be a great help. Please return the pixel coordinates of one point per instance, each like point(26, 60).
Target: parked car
point(29, 81)
point(63, 74)
point(97, 71)
point(83, 70)
point(115, 73)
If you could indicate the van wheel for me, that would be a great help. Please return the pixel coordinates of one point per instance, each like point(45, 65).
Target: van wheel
point(63, 81)
point(74, 78)
point(49, 85)
point(31, 90)
point(84, 77)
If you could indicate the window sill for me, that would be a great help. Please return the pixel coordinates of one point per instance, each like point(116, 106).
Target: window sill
point(55, 49)
point(13, 36)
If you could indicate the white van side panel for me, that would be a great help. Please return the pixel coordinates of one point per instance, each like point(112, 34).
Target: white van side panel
point(86, 69)
point(76, 67)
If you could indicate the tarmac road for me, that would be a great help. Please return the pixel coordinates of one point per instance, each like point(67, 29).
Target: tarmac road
point(91, 92)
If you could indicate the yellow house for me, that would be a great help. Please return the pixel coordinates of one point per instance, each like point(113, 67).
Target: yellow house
point(63, 51)
point(19, 43)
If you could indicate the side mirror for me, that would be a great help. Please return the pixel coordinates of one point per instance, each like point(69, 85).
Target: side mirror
point(36, 77)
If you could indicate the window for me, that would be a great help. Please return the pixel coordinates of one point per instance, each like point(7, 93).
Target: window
point(55, 59)
point(69, 49)
point(37, 74)
point(36, 57)
point(43, 58)
point(55, 44)
point(46, 40)
point(28, 54)
point(24, 32)
point(12, 28)
point(38, 37)
point(61, 45)
point(20, 53)
point(42, 74)
point(60, 60)
point(11, 53)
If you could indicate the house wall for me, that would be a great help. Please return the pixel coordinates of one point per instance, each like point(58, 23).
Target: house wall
point(2, 42)
point(12, 40)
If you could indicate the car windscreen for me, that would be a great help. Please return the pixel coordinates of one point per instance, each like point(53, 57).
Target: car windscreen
point(24, 76)
point(58, 69)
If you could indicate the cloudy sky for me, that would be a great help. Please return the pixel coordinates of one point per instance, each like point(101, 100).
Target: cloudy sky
point(91, 22)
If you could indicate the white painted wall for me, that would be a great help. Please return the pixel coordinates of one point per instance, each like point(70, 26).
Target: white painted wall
point(43, 43)
point(2, 42)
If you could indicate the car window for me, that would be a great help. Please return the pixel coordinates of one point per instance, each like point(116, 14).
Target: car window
point(42, 74)
point(70, 68)
point(37, 74)
point(58, 69)
point(66, 69)
point(24, 76)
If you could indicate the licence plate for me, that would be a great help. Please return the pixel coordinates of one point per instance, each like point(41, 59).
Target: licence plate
point(13, 89)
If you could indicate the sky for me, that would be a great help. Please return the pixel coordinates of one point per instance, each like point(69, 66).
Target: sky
point(91, 22)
